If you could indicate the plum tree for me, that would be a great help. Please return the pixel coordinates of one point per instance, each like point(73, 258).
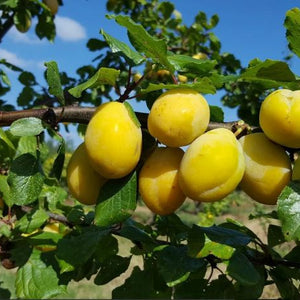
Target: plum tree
point(282, 107)
point(268, 168)
point(178, 116)
point(175, 244)
point(212, 166)
point(113, 140)
point(158, 180)
point(84, 182)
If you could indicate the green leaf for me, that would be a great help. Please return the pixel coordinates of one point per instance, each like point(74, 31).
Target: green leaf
point(10, 3)
point(271, 74)
point(185, 63)
point(289, 211)
point(53, 79)
point(117, 200)
point(143, 42)
point(4, 293)
point(26, 96)
point(77, 249)
point(29, 144)
point(173, 227)
point(96, 44)
point(132, 114)
point(284, 284)
point(292, 25)
point(133, 58)
point(54, 196)
point(133, 231)
point(140, 285)
point(10, 66)
point(204, 85)
point(191, 289)
point(6, 139)
point(5, 229)
point(107, 247)
point(31, 221)
point(216, 114)
point(196, 240)
point(45, 26)
point(175, 265)
point(27, 126)
point(218, 250)
point(4, 78)
point(166, 8)
point(226, 236)
point(112, 268)
point(102, 76)
point(242, 270)
point(58, 164)
point(27, 78)
point(36, 280)
point(5, 191)
point(25, 179)
point(275, 235)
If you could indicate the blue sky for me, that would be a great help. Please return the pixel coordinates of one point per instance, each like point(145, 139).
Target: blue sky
point(248, 29)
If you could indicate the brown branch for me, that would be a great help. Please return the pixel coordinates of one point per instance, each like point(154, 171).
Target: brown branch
point(82, 115)
point(6, 26)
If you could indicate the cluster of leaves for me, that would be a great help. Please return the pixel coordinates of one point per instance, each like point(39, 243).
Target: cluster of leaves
point(179, 260)
point(19, 13)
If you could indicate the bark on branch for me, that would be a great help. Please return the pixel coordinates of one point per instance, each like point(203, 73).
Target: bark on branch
point(82, 115)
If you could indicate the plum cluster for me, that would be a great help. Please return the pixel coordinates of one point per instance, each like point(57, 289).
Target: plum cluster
point(213, 164)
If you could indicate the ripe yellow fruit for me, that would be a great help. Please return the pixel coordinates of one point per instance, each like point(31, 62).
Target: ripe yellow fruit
point(178, 116)
point(84, 182)
point(212, 166)
point(53, 5)
point(296, 170)
point(268, 168)
point(279, 117)
point(158, 181)
point(113, 140)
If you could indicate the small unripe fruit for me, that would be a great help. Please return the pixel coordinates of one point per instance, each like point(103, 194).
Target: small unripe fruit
point(182, 78)
point(268, 168)
point(178, 116)
point(113, 140)
point(200, 55)
point(137, 77)
point(296, 170)
point(212, 166)
point(158, 181)
point(53, 5)
point(279, 117)
point(84, 182)
point(162, 73)
point(22, 20)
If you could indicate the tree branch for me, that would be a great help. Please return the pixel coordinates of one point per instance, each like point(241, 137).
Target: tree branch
point(82, 115)
point(6, 26)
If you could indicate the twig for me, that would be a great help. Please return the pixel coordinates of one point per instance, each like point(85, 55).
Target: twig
point(6, 26)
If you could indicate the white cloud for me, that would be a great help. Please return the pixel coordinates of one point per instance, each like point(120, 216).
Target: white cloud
point(25, 38)
point(69, 30)
point(12, 58)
